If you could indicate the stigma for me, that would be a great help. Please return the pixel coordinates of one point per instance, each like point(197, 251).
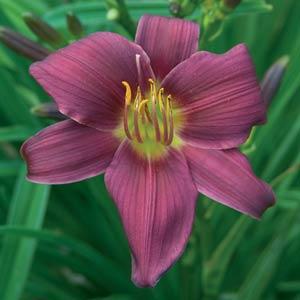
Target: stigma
point(148, 118)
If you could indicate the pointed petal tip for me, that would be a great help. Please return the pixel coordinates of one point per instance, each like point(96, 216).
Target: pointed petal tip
point(144, 282)
point(149, 278)
point(226, 176)
point(270, 201)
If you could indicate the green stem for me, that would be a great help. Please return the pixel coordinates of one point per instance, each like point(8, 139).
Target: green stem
point(122, 15)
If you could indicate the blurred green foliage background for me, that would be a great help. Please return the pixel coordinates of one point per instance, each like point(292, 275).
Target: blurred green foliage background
point(67, 243)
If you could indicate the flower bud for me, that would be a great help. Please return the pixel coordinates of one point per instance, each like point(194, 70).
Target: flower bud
point(272, 79)
point(182, 8)
point(43, 30)
point(113, 14)
point(22, 45)
point(74, 25)
point(174, 8)
point(231, 4)
point(48, 110)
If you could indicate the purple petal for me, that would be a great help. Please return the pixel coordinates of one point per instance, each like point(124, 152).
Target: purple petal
point(226, 176)
point(67, 152)
point(167, 41)
point(85, 78)
point(156, 201)
point(219, 98)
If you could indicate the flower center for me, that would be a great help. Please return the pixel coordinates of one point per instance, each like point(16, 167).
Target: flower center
point(148, 121)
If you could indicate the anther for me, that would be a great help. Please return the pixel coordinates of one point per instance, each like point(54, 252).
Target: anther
point(127, 103)
point(142, 105)
point(128, 93)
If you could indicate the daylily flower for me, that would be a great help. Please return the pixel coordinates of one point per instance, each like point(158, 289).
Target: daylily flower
point(163, 122)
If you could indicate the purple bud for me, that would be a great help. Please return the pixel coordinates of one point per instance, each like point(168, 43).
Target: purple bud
point(43, 30)
point(272, 79)
point(74, 24)
point(22, 45)
point(231, 4)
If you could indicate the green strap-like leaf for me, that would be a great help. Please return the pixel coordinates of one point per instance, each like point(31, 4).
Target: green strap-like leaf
point(27, 209)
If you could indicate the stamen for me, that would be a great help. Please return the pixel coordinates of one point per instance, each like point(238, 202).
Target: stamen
point(170, 114)
point(144, 110)
point(148, 115)
point(154, 113)
point(127, 93)
point(136, 115)
point(165, 124)
point(141, 109)
point(160, 100)
point(142, 105)
point(168, 104)
point(152, 85)
point(127, 103)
